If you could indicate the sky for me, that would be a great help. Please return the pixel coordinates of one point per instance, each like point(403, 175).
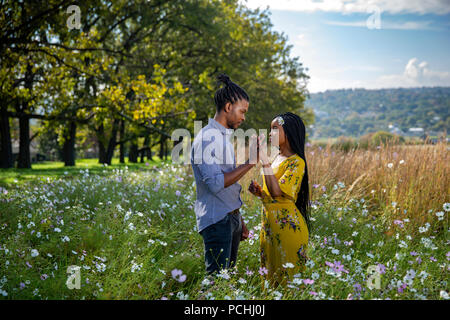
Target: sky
point(366, 44)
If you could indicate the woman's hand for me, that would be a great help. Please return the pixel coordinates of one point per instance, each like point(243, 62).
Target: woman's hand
point(255, 189)
point(245, 231)
point(262, 150)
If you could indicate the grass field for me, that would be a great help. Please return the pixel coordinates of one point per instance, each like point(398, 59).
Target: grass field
point(131, 230)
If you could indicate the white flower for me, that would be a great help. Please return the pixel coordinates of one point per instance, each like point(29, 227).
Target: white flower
point(288, 265)
point(354, 234)
point(223, 274)
point(440, 215)
point(402, 161)
point(390, 165)
point(136, 267)
point(65, 239)
point(446, 207)
point(206, 282)
point(422, 229)
point(182, 296)
point(403, 244)
point(280, 120)
point(315, 276)
point(444, 295)
point(242, 281)
point(310, 264)
point(57, 230)
point(335, 251)
point(277, 295)
point(34, 253)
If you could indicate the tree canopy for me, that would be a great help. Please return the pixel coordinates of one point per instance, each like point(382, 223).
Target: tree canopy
point(136, 70)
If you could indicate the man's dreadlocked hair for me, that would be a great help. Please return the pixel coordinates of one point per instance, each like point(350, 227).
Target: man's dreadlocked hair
point(231, 92)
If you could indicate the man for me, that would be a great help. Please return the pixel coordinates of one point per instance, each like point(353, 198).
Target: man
point(213, 161)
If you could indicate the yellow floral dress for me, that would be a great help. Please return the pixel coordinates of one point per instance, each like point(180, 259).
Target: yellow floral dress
point(284, 234)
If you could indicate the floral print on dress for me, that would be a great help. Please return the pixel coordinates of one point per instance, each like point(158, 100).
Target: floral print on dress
point(284, 234)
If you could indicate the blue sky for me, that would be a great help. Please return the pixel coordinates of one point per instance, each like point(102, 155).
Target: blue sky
point(366, 44)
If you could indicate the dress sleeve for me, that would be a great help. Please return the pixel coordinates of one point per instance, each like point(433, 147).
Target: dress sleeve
point(292, 177)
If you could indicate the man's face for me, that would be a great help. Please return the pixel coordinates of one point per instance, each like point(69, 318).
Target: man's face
point(236, 113)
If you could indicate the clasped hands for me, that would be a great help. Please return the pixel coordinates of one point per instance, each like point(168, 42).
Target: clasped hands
point(261, 146)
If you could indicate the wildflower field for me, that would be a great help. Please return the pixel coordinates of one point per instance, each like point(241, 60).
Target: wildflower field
point(130, 229)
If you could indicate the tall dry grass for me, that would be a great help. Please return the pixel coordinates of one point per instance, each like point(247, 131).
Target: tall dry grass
point(391, 178)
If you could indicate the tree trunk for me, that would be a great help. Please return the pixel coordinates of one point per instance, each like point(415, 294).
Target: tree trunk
point(101, 147)
point(149, 150)
point(122, 144)
point(6, 160)
point(161, 147)
point(133, 153)
point(112, 142)
point(24, 160)
point(144, 148)
point(69, 145)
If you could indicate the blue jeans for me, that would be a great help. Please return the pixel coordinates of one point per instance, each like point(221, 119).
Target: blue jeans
point(221, 241)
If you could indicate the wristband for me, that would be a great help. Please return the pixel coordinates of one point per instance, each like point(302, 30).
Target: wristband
point(268, 171)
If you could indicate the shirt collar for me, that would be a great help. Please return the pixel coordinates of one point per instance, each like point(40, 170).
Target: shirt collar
point(221, 128)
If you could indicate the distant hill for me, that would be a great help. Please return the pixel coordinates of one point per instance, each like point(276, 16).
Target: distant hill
point(405, 111)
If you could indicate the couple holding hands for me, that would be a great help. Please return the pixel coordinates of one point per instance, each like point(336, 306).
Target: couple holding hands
point(284, 194)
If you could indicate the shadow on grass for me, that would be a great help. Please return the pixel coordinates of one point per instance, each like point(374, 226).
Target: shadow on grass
point(54, 169)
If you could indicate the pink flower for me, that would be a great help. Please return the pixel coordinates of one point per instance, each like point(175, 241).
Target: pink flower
point(178, 275)
point(177, 193)
point(263, 270)
point(399, 222)
point(44, 276)
point(308, 281)
point(248, 272)
point(313, 293)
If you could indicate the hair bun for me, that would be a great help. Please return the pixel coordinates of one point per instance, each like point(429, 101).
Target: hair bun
point(224, 79)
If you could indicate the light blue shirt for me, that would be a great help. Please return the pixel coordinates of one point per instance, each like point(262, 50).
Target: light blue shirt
point(212, 155)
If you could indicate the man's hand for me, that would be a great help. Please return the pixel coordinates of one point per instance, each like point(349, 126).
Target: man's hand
point(245, 232)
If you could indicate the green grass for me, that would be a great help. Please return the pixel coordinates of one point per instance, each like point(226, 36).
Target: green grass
point(128, 227)
point(54, 169)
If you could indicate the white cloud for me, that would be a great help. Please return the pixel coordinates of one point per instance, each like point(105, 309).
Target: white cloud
point(351, 6)
point(415, 74)
point(388, 25)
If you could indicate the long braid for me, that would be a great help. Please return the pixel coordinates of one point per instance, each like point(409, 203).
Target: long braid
point(295, 131)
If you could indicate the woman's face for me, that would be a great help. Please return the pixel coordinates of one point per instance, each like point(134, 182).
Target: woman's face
point(277, 136)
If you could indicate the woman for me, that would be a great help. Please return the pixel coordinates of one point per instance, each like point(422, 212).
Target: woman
point(285, 198)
